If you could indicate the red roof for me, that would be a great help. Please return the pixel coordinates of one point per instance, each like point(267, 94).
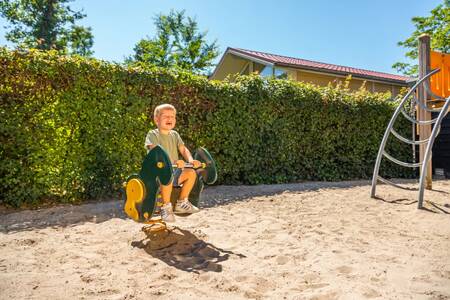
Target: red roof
point(314, 65)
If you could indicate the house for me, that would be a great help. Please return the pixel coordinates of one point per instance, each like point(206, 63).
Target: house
point(240, 61)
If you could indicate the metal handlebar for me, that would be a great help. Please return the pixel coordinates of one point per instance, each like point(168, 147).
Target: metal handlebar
point(189, 165)
point(160, 165)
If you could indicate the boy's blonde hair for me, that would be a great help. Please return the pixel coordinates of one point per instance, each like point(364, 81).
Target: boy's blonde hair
point(162, 107)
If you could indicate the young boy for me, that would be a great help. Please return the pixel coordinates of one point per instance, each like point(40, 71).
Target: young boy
point(165, 119)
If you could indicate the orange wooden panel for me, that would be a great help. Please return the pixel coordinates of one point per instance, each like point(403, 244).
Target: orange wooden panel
point(440, 82)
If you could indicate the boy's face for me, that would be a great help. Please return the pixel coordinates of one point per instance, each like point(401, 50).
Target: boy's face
point(166, 120)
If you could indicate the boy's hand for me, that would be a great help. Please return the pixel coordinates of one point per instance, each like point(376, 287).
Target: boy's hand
point(196, 164)
point(180, 164)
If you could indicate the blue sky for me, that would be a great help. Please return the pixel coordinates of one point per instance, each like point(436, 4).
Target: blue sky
point(355, 33)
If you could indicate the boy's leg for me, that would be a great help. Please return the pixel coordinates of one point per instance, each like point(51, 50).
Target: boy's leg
point(166, 191)
point(187, 180)
point(166, 210)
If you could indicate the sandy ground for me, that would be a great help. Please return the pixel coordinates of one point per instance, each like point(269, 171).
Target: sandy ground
point(297, 241)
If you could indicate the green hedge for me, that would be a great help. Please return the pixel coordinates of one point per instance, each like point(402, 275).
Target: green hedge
point(73, 128)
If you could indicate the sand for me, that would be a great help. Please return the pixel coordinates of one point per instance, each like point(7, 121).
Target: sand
point(295, 241)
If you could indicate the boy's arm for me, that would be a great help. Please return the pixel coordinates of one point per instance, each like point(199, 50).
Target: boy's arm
point(185, 153)
point(188, 156)
point(149, 145)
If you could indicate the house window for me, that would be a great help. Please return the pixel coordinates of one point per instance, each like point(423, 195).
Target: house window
point(280, 74)
point(269, 71)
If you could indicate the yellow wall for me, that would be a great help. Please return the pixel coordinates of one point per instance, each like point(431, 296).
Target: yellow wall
point(355, 83)
point(232, 65)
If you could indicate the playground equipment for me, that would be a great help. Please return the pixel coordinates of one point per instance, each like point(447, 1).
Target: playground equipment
point(143, 201)
point(430, 93)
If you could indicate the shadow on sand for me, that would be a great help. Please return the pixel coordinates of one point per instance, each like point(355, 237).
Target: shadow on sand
point(429, 206)
point(183, 250)
point(98, 212)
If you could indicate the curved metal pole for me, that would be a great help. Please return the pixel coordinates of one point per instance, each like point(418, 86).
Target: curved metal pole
point(388, 130)
point(426, 158)
point(401, 163)
point(424, 107)
point(417, 121)
point(429, 92)
point(405, 140)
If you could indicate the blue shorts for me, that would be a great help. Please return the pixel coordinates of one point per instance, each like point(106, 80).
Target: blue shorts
point(176, 177)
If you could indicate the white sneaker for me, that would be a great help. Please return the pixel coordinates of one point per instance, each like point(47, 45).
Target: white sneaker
point(185, 207)
point(167, 213)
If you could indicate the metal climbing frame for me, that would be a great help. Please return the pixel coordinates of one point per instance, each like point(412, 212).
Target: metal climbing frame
point(429, 141)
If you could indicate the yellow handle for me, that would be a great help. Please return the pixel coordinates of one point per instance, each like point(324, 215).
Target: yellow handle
point(160, 164)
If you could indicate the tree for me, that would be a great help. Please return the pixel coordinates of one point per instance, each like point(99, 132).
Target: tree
point(178, 43)
point(46, 25)
point(437, 26)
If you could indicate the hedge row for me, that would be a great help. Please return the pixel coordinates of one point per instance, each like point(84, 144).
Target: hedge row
point(73, 128)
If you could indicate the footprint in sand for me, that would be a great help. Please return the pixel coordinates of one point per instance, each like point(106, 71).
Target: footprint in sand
point(252, 295)
point(310, 286)
point(299, 257)
point(87, 278)
point(378, 281)
point(327, 296)
point(311, 278)
point(282, 260)
point(26, 242)
point(241, 278)
point(205, 277)
point(316, 286)
point(168, 276)
point(261, 285)
point(223, 284)
point(159, 292)
point(344, 270)
point(442, 274)
point(371, 293)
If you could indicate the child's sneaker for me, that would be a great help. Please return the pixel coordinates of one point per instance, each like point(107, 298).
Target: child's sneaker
point(167, 213)
point(185, 207)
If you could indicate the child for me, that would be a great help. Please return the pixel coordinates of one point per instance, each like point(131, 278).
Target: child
point(165, 119)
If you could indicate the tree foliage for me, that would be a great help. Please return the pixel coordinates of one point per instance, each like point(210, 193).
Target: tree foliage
point(437, 25)
point(46, 25)
point(177, 43)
